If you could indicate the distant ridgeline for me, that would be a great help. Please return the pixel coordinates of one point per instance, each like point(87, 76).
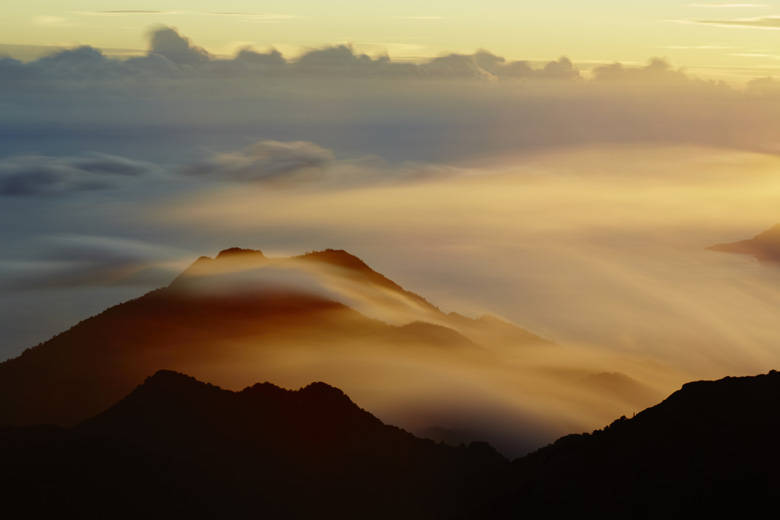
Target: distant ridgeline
point(764, 247)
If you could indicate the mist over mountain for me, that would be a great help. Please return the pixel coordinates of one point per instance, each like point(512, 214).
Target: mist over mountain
point(243, 317)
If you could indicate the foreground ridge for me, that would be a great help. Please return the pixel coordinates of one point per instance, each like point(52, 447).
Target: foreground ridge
point(710, 447)
point(178, 446)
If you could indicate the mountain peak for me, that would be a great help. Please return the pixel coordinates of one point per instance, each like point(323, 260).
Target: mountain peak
point(710, 447)
point(170, 381)
point(170, 377)
point(238, 251)
point(337, 257)
point(324, 393)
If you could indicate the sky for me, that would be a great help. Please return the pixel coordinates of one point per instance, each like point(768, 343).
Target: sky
point(725, 40)
point(563, 166)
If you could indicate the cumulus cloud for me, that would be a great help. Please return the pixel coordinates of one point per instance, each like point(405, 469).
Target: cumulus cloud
point(449, 108)
point(265, 161)
point(42, 175)
point(562, 69)
point(167, 42)
point(658, 70)
point(272, 58)
point(80, 63)
point(343, 60)
point(15, 70)
point(455, 66)
point(172, 55)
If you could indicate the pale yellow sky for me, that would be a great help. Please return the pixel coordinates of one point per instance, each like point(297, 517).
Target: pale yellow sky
point(734, 41)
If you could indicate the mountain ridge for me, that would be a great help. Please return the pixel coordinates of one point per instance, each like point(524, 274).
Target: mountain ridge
point(261, 451)
point(215, 322)
point(708, 448)
point(302, 447)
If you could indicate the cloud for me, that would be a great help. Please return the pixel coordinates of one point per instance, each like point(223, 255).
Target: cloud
point(719, 4)
point(656, 71)
point(455, 66)
point(130, 11)
point(70, 261)
point(268, 17)
point(561, 69)
point(272, 58)
point(42, 175)
point(300, 162)
point(450, 108)
point(341, 60)
point(153, 66)
point(167, 42)
point(173, 56)
point(265, 161)
point(52, 21)
point(12, 70)
point(484, 65)
point(699, 47)
point(80, 63)
point(769, 22)
point(261, 17)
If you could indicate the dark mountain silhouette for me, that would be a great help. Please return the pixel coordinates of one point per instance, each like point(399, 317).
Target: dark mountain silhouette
point(764, 246)
point(51, 472)
point(709, 449)
point(217, 319)
point(177, 445)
